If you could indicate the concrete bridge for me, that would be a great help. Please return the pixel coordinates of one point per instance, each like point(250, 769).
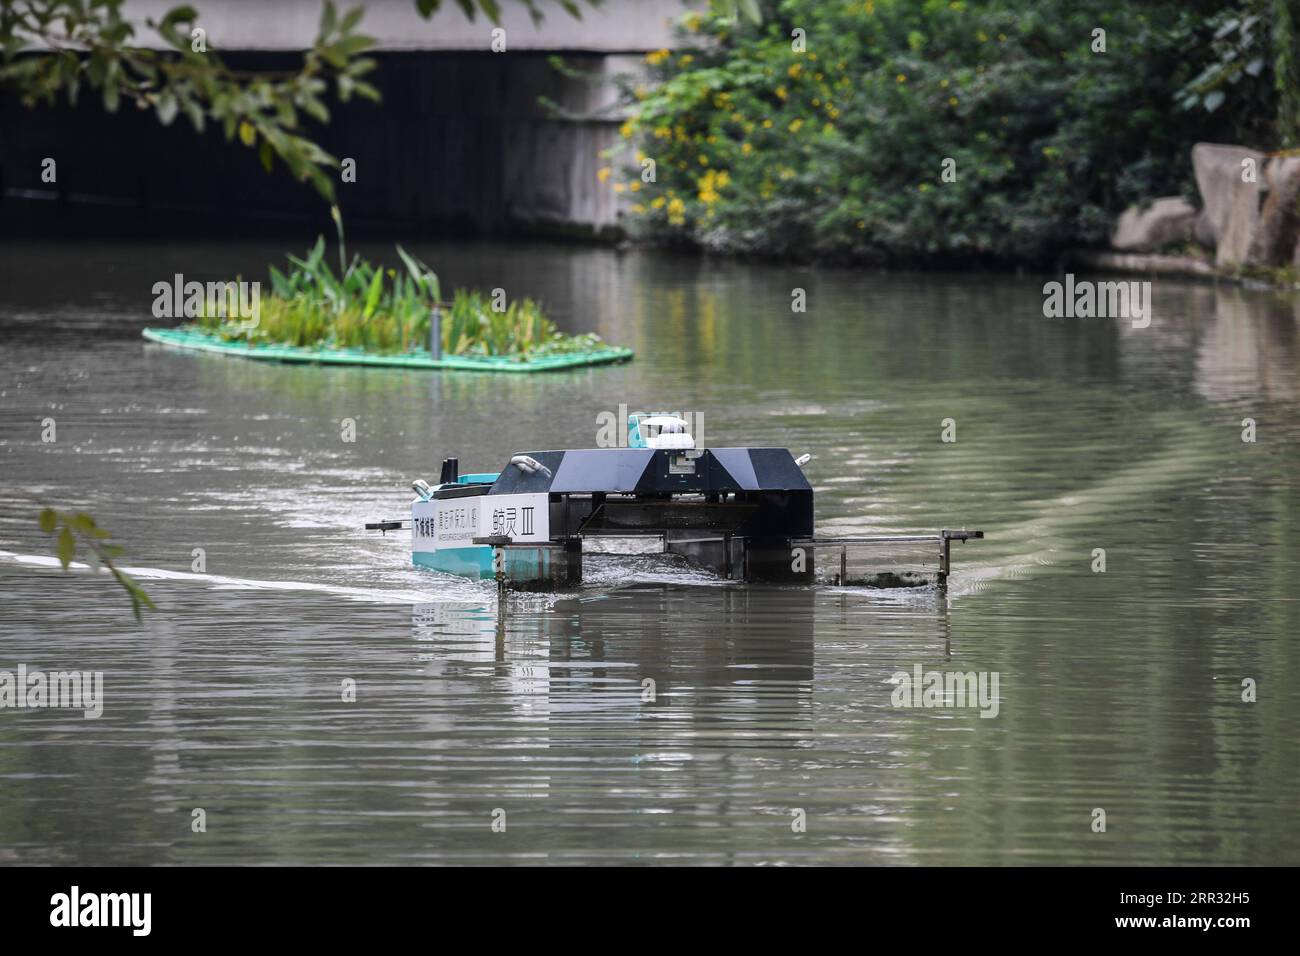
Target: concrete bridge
point(459, 144)
point(613, 26)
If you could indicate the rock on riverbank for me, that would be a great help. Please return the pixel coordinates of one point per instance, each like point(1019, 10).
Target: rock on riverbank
point(1249, 219)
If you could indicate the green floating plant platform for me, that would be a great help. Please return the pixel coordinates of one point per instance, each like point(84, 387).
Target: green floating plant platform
point(183, 338)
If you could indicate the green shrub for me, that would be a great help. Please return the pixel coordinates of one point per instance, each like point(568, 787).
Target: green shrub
point(838, 152)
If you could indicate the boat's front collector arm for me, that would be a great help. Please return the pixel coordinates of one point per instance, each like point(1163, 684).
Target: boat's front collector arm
point(392, 524)
point(943, 539)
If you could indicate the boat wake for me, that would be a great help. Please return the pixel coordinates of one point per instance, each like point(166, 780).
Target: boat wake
point(42, 562)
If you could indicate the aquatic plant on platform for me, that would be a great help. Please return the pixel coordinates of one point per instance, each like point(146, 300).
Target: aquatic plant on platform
point(371, 315)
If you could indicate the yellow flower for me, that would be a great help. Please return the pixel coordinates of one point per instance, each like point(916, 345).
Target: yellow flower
point(692, 21)
point(901, 78)
point(658, 202)
point(982, 36)
point(724, 178)
point(704, 160)
point(676, 212)
point(638, 209)
point(663, 132)
point(626, 130)
point(795, 125)
point(686, 60)
point(781, 93)
point(620, 187)
point(795, 70)
point(746, 148)
point(635, 185)
point(767, 124)
point(943, 84)
point(655, 57)
point(603, 174)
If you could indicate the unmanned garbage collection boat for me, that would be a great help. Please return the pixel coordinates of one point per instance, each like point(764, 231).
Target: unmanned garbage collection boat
point(745, 513)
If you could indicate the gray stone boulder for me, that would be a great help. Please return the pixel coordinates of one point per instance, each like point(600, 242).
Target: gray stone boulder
point(1203, 231)
point(1279, 223)
point(1166, 222)
point(1229, 179)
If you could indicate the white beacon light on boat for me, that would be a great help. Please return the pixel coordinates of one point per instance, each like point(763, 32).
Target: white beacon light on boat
point(803, 460)
point(529, 465)
point(421, 488)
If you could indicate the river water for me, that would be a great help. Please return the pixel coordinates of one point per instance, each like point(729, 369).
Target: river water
point(772, 736)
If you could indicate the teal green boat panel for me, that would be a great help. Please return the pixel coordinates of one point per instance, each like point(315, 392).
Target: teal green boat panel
point(473, 562)
point(185, 338)
point(521, 565)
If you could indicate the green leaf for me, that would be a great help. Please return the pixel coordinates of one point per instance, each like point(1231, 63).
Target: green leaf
point(376, 290)
point(195, 112)
point(49, 520)
point(425, 280)
point(351, 19)
point(166, 107)
point(67, 547)
point(327, 18)
point(82, 523)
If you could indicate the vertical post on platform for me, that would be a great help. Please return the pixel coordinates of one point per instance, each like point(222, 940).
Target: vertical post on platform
point(945, 558)
point(435, 333)
point(844, 565)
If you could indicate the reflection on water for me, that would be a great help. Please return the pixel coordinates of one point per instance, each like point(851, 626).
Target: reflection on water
point(658, 713)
